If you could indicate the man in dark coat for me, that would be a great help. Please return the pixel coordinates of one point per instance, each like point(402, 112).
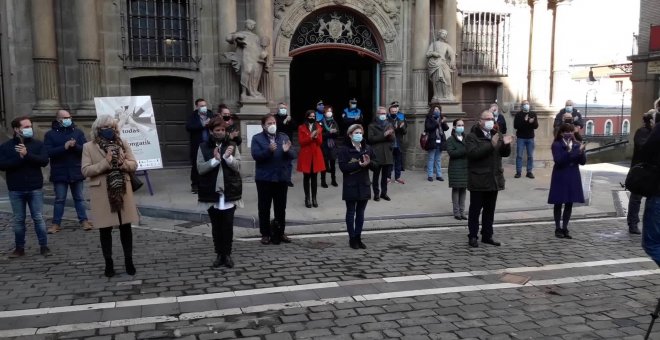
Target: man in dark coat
point(575, 113)
point(196, 127)
point(641, 135)
point(500, 122)
point(398, 121)
point(233, 125)
point(64, 143)
point(525, 122)
point(22, 158)
point(485, 148)
point(381, 136)
point(651, 220)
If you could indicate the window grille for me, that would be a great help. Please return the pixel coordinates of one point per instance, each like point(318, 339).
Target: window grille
point(159, 34)
point(485, 44)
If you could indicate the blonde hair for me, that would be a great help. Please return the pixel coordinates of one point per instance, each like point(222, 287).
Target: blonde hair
point(103, 120)
point(353, 128)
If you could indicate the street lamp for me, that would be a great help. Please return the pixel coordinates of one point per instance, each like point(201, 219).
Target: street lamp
point(623, 95)
point(586, 101)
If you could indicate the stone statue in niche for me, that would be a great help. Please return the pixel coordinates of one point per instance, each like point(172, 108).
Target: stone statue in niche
point(441, 63)
point(249, 60)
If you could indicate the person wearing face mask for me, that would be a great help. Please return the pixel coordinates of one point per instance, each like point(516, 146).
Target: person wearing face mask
point(22, 158)
point(435, 126)
point(272, 154)
point(457, 169)
point(196, 127)
point(566, 183)
point(285, 125)
point(381, 137)
point(320, 111)
point(641, 136)
point(576, 116)
point(107, 161)
point(525, 122)
point(64, 143)
point(355, 160)
point(233, 125)
point(310, 161)
point(499, 118)
point(220, 188)
point(485, 147)
point(330, 131)
point(351, 115)
point(398, 121)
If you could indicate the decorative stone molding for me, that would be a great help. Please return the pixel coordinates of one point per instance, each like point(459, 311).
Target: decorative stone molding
point(309, 5)
point(90, 81)
point(393, 8)
point(287, 29)
point(45, 74)
point(389, 36)
point(280, 6)
point(340, 2)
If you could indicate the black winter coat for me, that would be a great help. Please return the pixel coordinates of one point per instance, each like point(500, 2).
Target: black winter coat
point(650, 149)
point(525, 129)
point(356, 185)
point(196, 130)
point(431, 127)
point(64, 163)
point(23, 174)
point(641, 136)
point(485, 172)
point(233, 185)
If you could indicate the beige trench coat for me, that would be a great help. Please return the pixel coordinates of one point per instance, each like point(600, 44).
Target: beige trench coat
point(94, 166)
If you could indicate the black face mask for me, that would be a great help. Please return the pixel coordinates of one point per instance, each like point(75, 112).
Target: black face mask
point(311, 120)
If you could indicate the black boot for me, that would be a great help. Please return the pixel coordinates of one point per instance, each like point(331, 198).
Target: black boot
point(634, 230)
point(353, 243)
point(126, 237)
point(559, 233)
point(109, 267)
point(219, 261)
point(334, 180)
point(130, 268)
point(566, 234)
point(308, 203)
point(359, 243)
point(314, 203)
point(229, 263)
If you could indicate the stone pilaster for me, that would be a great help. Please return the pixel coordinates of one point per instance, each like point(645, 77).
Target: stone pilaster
point(229, 88)
point(421, 32)
point(539, 77)
point(264, 18)
point(449, 21)
point(44, 55)
point(560, 73)
point(88, 53)
point(281, 79)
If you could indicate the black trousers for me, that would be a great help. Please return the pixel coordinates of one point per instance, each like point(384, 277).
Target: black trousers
point(313, 180)
point(275, 193)
point(222, 229)
point(381, 172)
point(486, 201)
point(125, 236)
point(194, 175)
point(330, 166)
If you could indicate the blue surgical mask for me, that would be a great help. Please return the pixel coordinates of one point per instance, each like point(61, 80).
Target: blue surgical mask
point(353, 106)
point(525, 107)
point(357, 137)
point(460, 129)
point(107, 133)
point(489, 125)
point(320, 107)
point(203, 109)
point(569, 108)
point(27, 132)
point(282, 112)
point(66, 122)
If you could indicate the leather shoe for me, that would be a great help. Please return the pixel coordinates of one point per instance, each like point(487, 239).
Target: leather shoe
point(314, 203)
point(308, 203)
point(559, 233)
point(530, 175)
point(463, 217)
point(567, 235)
point(385, 197)
point(634, 230)
point(324, 184)
point(359, 243)
point(352, 242)
point(229, 263)
point(265, 240)
point(457, 217)
point(491, 242)
point(376, 198)
point(285, 238)
point(473, 242)
point(517, 175)
point(219, 261)
point(430, 179)
point(439, 178)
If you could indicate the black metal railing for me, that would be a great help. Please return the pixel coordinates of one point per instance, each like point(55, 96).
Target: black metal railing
point(485, 44)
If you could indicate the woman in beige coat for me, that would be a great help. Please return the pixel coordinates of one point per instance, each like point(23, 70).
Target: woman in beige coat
point(106, 161)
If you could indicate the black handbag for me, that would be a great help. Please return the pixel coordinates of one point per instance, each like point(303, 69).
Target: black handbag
point(643, 179)
point(136, 183)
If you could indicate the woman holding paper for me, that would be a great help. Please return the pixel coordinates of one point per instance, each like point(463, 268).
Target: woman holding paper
point(220, 187)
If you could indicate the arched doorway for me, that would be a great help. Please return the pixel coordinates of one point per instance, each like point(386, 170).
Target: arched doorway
point(172, 99)
point(334, 76)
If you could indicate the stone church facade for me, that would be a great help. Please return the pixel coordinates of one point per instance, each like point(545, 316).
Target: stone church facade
point(63, 53)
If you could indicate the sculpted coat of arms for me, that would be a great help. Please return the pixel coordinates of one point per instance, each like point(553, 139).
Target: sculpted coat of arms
point(335, 28)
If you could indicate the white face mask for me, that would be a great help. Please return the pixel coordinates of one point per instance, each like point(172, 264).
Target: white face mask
point(382, 116)
point(282, 111)
point(353, 106)
point(202, 109)
point(272, 129)
point(489, 125)
point(328, 114)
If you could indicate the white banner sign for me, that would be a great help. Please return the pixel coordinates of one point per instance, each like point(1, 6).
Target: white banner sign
point(137, 122)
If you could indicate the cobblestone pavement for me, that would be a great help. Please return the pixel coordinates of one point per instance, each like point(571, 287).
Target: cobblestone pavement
point(423, 284)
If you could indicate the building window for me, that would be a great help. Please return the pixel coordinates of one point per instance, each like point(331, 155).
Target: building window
point(608, 128)
point(619, 85)
point(625, 129)
point(485, 46)
point(590, 128)
point(160, 33)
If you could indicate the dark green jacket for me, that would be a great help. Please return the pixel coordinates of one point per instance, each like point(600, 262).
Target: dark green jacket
point(458, 174)
point(485, 171)
point(381, 145)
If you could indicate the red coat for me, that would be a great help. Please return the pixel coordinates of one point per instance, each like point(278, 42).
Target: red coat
point(310, 150)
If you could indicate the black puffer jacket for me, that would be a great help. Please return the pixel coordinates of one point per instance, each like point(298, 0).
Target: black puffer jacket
point(485, 172)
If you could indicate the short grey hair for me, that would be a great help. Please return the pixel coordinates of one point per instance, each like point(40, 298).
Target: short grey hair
point(102, 120)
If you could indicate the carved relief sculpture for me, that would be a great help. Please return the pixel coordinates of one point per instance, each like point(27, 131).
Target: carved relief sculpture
point(249, 60)
point(441, 63)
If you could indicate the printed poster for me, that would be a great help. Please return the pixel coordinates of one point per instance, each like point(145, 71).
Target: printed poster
point(137, 122)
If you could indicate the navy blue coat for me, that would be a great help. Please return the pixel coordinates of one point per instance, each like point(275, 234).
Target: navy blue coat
point(566, 183)
point(23, 174)
point(271, 166)
point(198, 132)
point(356, 185)
point(64, 163)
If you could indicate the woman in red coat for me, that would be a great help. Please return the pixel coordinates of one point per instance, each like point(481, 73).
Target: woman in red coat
point(310, 157)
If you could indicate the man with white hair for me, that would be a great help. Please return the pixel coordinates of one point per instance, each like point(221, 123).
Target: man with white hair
point(575, 113)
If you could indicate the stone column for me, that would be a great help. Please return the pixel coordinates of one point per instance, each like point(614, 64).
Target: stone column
point(421, 32)
point(44, 55)
point(561, 58)
point(264, 17)
point(539, 77)
point(88, 53)
point(229, 87)
point(449, 21)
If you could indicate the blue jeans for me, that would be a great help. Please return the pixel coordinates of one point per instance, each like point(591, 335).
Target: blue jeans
point(355, 217)
point(35, 201)
point(523, 144)
point(434, 156)
point(398, 163)
point(651, 230)
point(61, 189)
